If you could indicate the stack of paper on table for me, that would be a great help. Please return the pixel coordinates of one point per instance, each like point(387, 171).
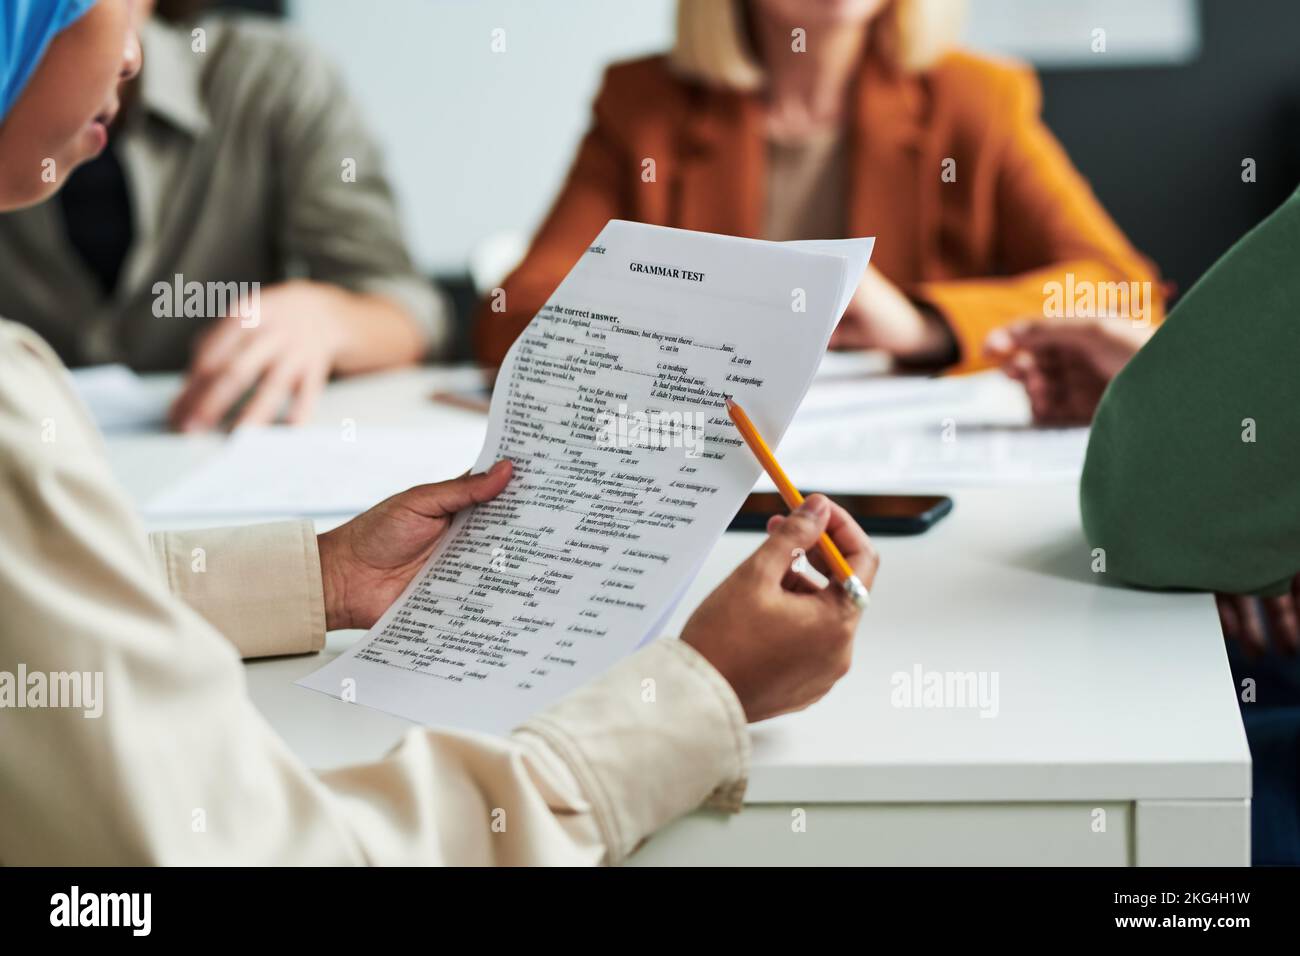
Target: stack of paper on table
point(580, 560)
point(925, 435)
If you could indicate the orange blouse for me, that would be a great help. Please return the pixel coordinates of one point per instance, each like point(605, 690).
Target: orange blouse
point(980, 248)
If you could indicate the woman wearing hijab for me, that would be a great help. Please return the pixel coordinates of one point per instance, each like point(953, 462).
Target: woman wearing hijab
point(166, 760)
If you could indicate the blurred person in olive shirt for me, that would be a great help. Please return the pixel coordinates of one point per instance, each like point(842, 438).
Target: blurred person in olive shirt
point(238, 158)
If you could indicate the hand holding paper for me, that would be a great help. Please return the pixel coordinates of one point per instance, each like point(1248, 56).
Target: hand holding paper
point(367, 562)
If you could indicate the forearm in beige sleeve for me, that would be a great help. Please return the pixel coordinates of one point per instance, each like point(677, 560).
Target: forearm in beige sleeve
point(661, 733)
point(258, 585)
point(584, 782)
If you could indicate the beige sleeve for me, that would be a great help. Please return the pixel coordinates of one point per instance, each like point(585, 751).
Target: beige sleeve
point(650, 703)
point(154, 753)
point(259, 585)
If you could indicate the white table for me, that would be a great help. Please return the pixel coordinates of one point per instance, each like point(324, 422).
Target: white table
point(1116, 740)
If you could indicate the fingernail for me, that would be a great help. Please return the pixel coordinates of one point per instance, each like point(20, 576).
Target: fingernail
point(814, 507)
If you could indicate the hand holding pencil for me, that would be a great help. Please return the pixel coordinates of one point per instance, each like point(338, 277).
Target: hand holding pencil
point(840, 570)
point(777, 638)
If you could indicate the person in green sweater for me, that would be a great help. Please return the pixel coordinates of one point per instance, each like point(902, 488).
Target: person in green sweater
point(1192, 476)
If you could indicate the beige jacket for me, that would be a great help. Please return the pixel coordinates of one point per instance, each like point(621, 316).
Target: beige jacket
point(178, 766)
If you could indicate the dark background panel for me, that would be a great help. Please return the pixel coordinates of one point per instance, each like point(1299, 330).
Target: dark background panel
point(181, 9)
point(1163, 146)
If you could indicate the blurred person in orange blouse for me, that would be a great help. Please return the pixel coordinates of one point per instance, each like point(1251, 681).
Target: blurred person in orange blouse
point(823, 119)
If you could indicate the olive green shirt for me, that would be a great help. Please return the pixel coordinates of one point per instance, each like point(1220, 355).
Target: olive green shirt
point(1192, 477)
point(238, 160)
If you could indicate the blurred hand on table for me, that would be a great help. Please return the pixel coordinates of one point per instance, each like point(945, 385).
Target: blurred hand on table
point(283, 355)
point(1251, 621)
point(881, 317)
point(1065, 364)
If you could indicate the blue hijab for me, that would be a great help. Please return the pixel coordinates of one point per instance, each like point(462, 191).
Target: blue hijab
point(26, 29)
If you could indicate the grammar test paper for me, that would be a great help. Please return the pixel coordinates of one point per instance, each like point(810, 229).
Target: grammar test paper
point(627, 470)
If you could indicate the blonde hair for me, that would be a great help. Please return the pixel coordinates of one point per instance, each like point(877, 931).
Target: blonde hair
point(713, 46)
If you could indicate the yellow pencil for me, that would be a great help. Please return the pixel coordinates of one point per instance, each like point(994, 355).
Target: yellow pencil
point(844, 575)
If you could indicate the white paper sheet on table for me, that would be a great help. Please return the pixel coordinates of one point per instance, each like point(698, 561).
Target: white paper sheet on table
point(917, 434)
point(119, 400)
point(853, 366)
point(318, 470)
point(589, 548)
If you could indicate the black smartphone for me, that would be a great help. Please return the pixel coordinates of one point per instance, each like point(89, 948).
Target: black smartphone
point(878, 514)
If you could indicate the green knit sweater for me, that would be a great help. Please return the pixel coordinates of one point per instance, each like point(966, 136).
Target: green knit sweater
point(1192, 477)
